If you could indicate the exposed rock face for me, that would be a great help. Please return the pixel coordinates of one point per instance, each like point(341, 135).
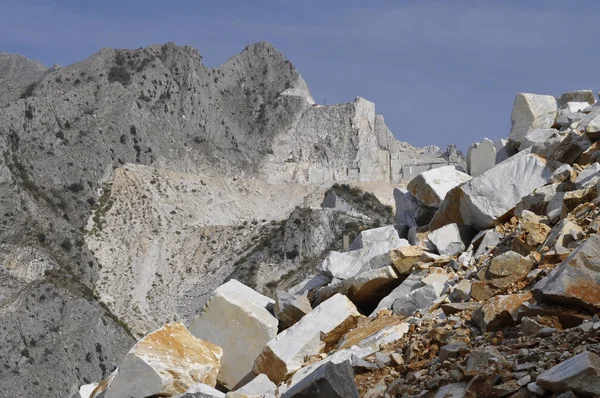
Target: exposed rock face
point(83, 125)
point(577, 279)
point(165, 362)
point(18, 70)
point(486, 198)
point(255, 326)
point(286, 352)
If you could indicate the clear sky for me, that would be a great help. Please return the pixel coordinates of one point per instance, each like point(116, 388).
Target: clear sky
point(440, 72)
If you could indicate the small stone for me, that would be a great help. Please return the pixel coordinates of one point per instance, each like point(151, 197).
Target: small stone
point(505, 389)
point(523, 381)
point(536, 389)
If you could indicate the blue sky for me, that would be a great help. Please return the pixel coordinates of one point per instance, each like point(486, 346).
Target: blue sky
point(440, 72)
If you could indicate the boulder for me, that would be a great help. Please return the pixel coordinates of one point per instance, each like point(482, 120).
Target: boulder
point(580, 374)
point(531, 112)
point(489, 241)
point(500, 311)
point(371, 237)
point(588, 176)
point(405, 259)
point(461, 291)
point(202, 391)
point(503, 150)
point(371, 285)
point(412, 282)
point(342, 265)
point(310, 283)
point(285, 353)
point(537, 201)
point(483, 200)
point(331, 380)
point(410, 210)
point(290, 308)
point(502, 271)
point(590, 155)
point(481, 156)
point(334, 201)
point(164, 363)
point(241, 344)
point(570, 148)
point(586, 96)
point(447, 240)
point(418, 299)
point(259, 387)
point(538, 136)
point(562, 174)
point(563, 233)
point(431, 186)
point(345, 265)
point(576, 280)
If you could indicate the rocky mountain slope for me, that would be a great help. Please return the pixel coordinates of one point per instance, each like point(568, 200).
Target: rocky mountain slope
point(493, 291)
point(140, 172)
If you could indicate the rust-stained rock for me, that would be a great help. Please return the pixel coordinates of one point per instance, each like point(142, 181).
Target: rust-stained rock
point(503, 271)
point(405, 258)
point(571, 148)
point(500, 311)
point(164, 363)
point(326, 324)
point(590, 155)
point(572, 199)
point(577, 280)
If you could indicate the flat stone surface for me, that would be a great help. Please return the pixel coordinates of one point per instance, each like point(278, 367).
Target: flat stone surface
point(165, 362)
point(242, 344)
point(431, 186)
point(580, 374)
point(285, 353)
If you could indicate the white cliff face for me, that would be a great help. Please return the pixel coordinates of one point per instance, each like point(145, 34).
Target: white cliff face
point(158, 229)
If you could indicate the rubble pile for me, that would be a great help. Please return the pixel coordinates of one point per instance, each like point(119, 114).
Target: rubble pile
point(496, 295)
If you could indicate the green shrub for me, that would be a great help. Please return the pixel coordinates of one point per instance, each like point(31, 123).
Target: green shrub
point(119, 74)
